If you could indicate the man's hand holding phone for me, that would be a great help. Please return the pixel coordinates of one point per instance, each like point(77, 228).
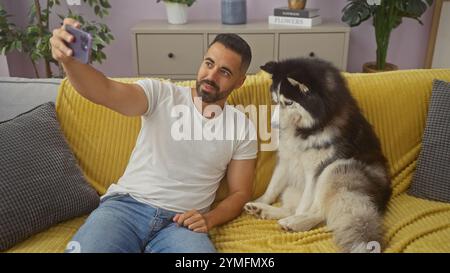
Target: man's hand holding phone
point(69, 41)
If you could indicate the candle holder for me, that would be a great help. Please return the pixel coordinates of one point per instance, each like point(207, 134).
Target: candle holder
point(296, 4)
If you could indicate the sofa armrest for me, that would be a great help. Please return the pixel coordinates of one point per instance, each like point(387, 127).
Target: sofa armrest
point(18, 95)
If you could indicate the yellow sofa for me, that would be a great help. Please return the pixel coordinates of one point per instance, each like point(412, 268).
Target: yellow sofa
point(395, 103)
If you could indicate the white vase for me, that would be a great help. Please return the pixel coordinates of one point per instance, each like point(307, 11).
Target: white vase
point(176, 13)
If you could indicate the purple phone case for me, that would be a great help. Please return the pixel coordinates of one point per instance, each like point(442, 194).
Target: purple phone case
point(82, 45)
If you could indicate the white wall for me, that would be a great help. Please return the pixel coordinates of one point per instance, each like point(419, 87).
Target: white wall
point(441, 58)
point(4, 71)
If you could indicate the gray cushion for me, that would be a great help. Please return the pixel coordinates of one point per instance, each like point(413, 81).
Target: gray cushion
point(18, 95)
point(432, 177)
point(40, 181)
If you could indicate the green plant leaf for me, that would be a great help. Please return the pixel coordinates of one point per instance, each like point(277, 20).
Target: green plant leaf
point(105, 4)
point(411, 8)
point(356, 12)
point(397, 22)
point(19, 45)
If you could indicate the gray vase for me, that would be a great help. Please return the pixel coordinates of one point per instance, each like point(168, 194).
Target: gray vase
point(234, 12)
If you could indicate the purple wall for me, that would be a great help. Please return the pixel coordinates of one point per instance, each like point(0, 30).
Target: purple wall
point(407, 48)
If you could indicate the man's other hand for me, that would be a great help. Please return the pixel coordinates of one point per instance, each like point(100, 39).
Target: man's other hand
point(193, 220)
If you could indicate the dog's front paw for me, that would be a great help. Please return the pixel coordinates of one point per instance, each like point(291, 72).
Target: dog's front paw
point(298, 223)
point(265, 211)
point(253, 209)
point(286, 224)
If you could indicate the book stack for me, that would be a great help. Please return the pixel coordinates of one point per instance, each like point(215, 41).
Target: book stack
point(292, 17)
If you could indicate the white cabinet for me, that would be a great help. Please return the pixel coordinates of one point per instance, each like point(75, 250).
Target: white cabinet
point(176, 51)
point(328, 46)
point(168, 53)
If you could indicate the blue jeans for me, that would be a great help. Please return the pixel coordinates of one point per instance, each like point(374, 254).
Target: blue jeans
point(122, 224)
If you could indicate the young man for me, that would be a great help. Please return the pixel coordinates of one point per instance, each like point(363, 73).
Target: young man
point(161, 203)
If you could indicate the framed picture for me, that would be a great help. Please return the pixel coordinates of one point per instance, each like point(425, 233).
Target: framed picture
point(438, 54)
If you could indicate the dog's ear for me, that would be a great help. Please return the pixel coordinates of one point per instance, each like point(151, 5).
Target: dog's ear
point(303, 88)
point(269, 67)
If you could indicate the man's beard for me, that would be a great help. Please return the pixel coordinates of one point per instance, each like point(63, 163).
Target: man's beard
point(212, 96)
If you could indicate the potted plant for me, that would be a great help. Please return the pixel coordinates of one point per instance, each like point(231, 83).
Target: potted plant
point(177, 10)
point(387, 15)
point(33, 40)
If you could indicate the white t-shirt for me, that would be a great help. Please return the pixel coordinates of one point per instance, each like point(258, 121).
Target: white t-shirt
point(180, 156)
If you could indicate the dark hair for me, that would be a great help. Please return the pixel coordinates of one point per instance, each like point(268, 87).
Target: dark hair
point(237, 44)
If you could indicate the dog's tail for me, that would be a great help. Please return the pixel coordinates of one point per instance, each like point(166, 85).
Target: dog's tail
point(355, 222)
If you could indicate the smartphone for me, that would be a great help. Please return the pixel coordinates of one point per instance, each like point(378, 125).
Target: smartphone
point(82, 45)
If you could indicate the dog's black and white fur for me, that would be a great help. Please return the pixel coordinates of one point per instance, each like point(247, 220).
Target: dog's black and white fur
point(330, 166)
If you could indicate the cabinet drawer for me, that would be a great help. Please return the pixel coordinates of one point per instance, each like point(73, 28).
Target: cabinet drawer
point(262, 46)
point(168, 54)
point(328, 46)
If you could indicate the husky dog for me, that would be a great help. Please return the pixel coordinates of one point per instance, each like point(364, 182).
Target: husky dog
point(330, 166)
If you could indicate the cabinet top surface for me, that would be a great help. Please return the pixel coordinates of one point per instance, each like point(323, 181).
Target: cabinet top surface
point(152, 26)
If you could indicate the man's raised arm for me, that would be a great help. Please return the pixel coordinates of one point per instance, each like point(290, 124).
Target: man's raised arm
point(127, 99)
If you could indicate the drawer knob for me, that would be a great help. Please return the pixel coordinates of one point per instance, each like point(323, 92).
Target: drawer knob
point(312, 54)
point(170, 55)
